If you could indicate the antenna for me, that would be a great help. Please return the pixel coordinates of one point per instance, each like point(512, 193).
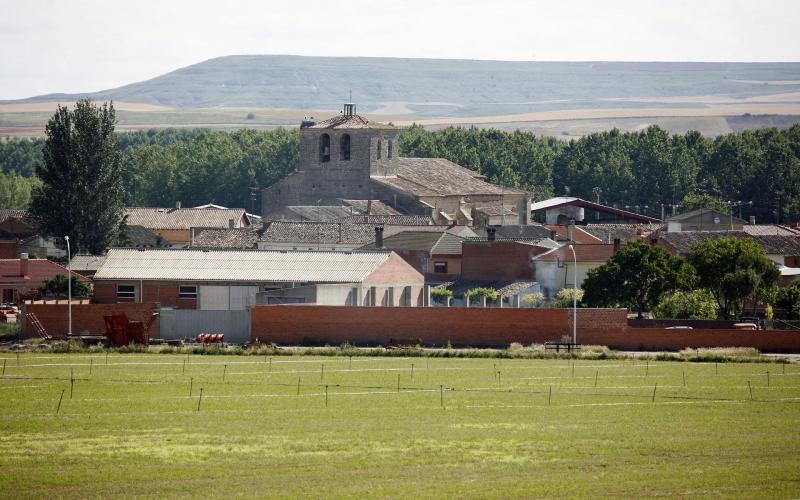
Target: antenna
point(351, 95)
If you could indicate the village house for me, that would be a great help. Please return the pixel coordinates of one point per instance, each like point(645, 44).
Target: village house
point(555, 269)
point(350, 157)
point(174, 225)
point(559, 210)
point(232, 279)
point(22, 278)
point(437, 255)
point(704, 219)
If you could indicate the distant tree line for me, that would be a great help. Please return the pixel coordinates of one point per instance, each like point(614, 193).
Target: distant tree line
point(638, 170)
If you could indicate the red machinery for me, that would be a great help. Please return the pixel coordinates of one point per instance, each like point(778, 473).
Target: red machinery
point(121, 331)
point(211, 338)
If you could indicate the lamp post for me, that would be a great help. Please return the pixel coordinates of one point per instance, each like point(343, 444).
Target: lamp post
point(69, 289)
point(574, 297)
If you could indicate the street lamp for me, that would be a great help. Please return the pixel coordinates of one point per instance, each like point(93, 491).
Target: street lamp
point(574, 297)
point(69, 289)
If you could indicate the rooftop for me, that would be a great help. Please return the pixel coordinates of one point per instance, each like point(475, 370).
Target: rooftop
point(344, 121)
point(183, 218)
point(598, 252)
point(38, 270)
point(249, 266)
point(710, 214)
point(439, 177)
point(683, 242)
point(560, 201)
point(341, 233)
point(437, 243)
point(607, 233)
point(86, 262)
point(225, 238)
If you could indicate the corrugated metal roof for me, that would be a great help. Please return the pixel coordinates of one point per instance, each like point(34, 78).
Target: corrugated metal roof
point(86, 262)
point(240, 265)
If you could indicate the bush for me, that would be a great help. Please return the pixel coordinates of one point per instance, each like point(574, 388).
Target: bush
point(476, 293)
point(533, 299)
point(789, 300)
point(564, 298)
point(440, 295)
point(696, 304)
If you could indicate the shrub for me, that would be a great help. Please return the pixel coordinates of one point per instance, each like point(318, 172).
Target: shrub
point(533, 299)
point(789, 300)
point(440, 295)
point(695, 304)
point(564, 297)
point(477, 293)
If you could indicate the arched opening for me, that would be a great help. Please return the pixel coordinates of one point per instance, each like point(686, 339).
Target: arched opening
point(389, 153)
point(324, 148)
point(344, 147)
point(380, 147)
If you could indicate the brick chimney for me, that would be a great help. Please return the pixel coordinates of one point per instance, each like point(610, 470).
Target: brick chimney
point(491, 233)
point(752, 220)
point(570, 229)
point(23, 264)
point(378, 237)
point(231, 223)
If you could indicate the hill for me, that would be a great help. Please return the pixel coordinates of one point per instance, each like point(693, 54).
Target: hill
point(455, 88)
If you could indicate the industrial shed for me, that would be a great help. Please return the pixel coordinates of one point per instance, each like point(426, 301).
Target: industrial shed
point(231, 279)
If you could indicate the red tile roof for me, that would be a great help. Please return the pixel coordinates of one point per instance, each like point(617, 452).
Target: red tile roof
point(578, 234)
point(584, 253)
point(39, 270)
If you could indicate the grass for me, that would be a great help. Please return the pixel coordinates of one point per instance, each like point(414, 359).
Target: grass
point(458, 427)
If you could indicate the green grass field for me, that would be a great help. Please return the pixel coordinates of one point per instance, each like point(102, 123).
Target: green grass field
point(471, 428)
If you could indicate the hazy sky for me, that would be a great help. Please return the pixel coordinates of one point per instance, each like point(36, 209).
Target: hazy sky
point(84, 45)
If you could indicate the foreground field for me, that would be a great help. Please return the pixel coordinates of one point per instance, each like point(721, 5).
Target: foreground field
point(135, 425)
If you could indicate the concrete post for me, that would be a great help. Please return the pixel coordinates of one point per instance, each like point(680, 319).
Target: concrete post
point(427, 296)
point(500, 301)
point(483, 300)
point(466, 300)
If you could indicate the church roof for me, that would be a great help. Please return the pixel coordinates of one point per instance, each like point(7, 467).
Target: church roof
point(439, 177)
point(344, 121)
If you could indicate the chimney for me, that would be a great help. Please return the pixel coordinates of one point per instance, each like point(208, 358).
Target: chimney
point(639, 231)
point(231, 223)
point(490, 233)
point(617, 244)
point(570, 229)
point(523, 211)
point(177, 204)
point(752, 220)
point(369, 207)
point(23, 264)
point(378, 237)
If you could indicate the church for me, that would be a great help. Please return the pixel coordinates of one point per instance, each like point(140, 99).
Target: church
point(349, 157)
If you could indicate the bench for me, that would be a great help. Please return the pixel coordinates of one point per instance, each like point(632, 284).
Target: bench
point(561, 346)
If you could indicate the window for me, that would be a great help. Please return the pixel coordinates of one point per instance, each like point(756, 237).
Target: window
point(389, 153)
point(380, 147)
point(324, 148)
point(187, 292)
point(344, 148)
point(440, 267)
point(126, 291)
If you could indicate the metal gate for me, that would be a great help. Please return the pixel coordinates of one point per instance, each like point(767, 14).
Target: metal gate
point(188, 323)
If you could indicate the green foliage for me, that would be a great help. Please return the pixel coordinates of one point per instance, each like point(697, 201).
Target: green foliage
point(440, 295)
point(694, 201)
point(789, 300)
point(531, 300)
point(694, 304)
point(15, 190)
point(475, 294)
point(58, 285)
point(733, 270)
point(564, 298)
point(81, 191)
point(636, 277)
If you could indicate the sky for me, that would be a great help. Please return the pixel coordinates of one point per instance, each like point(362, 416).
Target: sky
point(90, 45)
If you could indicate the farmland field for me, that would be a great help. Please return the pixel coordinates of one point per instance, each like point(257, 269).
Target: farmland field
point(134, 425)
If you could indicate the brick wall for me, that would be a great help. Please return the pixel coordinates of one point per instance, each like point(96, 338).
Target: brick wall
point(497, 260)
point(85, 317)
point(291, 324)
point(461, 326)
point(163, 292)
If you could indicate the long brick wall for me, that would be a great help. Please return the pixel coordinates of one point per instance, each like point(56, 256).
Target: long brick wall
point(85, 317)
point(294, 324)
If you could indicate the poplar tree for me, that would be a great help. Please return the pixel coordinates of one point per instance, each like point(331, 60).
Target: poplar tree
point(81, 191)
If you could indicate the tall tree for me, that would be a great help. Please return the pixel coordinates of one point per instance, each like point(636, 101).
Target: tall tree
point(81, 191)
point(733, 270)
point(636, 277)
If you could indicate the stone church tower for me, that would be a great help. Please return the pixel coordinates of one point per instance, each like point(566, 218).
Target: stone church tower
point(337, 158)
